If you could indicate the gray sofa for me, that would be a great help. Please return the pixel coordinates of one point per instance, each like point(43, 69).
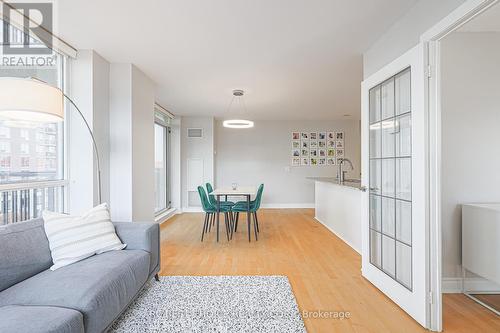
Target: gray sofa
point(86, 296)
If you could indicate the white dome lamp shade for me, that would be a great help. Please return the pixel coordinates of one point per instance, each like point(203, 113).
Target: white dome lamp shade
point(238, 123)
point(30, 100)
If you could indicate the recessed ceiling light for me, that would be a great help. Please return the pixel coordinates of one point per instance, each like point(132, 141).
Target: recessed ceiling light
point(238, 123)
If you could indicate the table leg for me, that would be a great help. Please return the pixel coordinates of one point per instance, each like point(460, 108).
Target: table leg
point(248, 216)
point(218, 211)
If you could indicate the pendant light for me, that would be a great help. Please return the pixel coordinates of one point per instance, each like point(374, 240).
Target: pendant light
point(238, 123)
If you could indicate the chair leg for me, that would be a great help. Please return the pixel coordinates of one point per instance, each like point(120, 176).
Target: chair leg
point(255, 226)
point(236, 222)
point(226, 221)
point(208, 222)
point(231, 222)
point(249, 217)
point(218, 219)
point(205, 226)
point(256, 221)
point(211, 221)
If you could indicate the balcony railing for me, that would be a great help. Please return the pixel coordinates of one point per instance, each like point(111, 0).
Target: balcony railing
point(21, 202)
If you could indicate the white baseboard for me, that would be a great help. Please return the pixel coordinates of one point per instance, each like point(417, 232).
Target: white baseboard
point(192, 210)
point(291, 205)
point(167, 215)
point(336, 234)
point(276, 206)
point(453, 285)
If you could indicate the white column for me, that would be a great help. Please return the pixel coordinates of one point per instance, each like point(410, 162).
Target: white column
point(132, 97)
point(89, 89)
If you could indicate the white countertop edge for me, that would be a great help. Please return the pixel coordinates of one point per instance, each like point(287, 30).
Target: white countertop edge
point(334, 181)
point(492, 206)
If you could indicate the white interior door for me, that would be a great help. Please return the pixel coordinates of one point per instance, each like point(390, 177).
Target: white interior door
point(394, 228)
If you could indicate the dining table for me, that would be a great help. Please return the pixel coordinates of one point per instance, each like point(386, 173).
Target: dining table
point(237, 191)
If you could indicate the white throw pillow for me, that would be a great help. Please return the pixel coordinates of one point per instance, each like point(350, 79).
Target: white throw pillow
point(74, 238)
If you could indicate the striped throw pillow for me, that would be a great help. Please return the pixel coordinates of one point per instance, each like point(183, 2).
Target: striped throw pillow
point(74, 238)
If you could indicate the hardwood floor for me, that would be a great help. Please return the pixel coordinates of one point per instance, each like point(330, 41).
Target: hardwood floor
point(492, 300)
point(324, 272)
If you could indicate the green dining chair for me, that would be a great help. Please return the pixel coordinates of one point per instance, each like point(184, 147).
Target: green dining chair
point(212, 198)
point(210, 214)
point(242, 207)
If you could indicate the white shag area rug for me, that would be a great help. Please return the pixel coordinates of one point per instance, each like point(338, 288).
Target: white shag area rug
point(213, 304)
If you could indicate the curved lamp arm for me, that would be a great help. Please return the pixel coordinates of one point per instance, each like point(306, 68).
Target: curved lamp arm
point(94, 144)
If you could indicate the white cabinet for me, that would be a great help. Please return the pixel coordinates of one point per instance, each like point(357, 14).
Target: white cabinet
point(481, 240)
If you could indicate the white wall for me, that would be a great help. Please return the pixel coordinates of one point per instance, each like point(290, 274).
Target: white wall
point(100, 74)
point(263, 155)
point(143, 180)
point(118, 102)
point(175, 165)
point(89, 88)
point(470, 132)
point(131, 144)
point(120, 148)
point(80, 160)
point(192, 148)
point(405, 33)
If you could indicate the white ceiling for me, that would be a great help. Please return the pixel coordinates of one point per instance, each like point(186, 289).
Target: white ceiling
point(488, 21)
point(296, 59)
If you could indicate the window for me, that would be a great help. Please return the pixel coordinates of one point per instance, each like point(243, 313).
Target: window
point(25, 166)
point(24, 148)
point(49, 137)
point(25, 134)
point(25, 162)
point(5, 147)
point(49, 147)
point(162, 159)
point(5, 162)
point(4, 132)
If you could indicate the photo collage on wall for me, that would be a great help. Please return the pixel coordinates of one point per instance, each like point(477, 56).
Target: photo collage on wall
point(317, 148)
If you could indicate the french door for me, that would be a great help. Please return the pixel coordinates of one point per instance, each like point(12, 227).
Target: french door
point(162, 162)
point(394, 226)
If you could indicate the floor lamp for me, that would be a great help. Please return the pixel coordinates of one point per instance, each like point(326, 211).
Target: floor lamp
point(28, 99)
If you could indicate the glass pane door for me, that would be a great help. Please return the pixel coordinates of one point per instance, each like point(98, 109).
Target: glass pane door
point(161, 168)
point(394, 223)
point(390, 178)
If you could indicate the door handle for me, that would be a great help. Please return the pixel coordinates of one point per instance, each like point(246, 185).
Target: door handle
point(363, 188)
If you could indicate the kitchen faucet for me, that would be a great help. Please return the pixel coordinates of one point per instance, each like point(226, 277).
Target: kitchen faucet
point(340, 172)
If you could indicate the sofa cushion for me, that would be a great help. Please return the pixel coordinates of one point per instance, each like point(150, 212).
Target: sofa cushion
point(74, 238)
point(100, 287)
point(24, 251)
point(42, 319)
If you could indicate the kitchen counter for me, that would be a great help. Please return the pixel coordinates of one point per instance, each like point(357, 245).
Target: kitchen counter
point(354, 183)
point(338, 208)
